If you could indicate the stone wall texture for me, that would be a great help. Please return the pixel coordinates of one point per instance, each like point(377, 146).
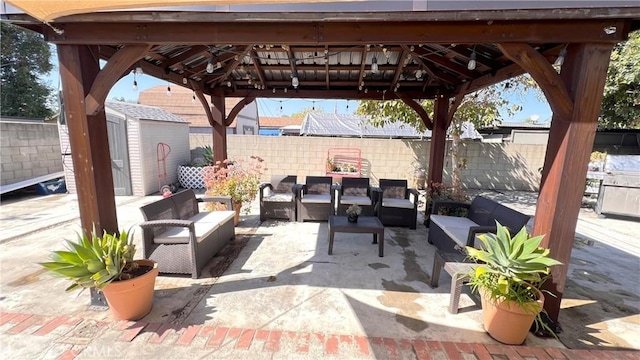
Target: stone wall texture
point(488, 166)
point(28, 150)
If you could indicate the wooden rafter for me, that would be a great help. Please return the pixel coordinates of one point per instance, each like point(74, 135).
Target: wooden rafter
point(445, 63)
point(398, 70)
point(236, 109)
point(292, 62)
point(255, 60)
point(363, 64)
point(197, 90)
point(432, 71)
point(243, 51)
point(322, 93)
point(177, 61)
point(418, 109)
point(326, 66)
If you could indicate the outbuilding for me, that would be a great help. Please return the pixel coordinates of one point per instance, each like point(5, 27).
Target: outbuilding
point(146, 144)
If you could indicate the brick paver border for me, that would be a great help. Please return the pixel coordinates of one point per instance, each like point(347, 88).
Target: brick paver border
point(270, 341)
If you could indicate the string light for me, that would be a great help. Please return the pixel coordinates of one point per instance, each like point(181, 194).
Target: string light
point(193, 98)
point(184, 80)
point(168, 89)
point(139, 69)
point(374, 65)
point(560, 59)
point(135, 82)
point(472, 60)
point(210, 65)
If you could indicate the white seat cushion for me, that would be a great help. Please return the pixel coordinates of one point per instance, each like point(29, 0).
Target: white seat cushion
point(316, 199)
point(205, 223)
point(360, 200)
point(457, 228)
point(397, 203)
point(275, 197)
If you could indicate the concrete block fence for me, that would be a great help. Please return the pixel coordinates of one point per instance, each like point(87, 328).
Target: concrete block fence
point(28, 150)
point(489, 166)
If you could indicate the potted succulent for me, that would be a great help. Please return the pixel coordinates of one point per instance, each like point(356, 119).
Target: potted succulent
point(353, 211)
point(106, 263)
point(508, 278)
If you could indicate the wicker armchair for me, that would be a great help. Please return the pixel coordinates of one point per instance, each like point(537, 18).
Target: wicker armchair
point(277, 198)
point(397, 203)
point(314, 199)
point(355, 191)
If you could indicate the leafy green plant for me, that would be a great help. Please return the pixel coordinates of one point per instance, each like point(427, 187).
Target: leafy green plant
point(512, 268)
point(207, 154)
point(354, 210)
point(94, 261)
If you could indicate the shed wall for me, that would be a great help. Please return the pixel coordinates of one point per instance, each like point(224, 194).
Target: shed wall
point(144, 159)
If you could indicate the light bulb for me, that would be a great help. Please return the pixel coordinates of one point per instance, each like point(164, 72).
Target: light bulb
point(374, 65)
point(139, 69)
point(295, 82)
point(135, 85)
point(210, 66)
point(193, 98)
point(418, 74)
point(472, 61)
point(560, 59)
point(169, 90)
point(228, 83)
point(285, 91)
point(184, 80)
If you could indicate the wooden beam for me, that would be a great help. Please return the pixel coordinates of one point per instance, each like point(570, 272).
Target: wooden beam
point(114, 69)
point(79, 69)
point(333, 94)
point(418, 109)
point(457, 100)
point(243, 51)
point(565, 168)
point(326, 67)
point(445, 63)
point(346, 33)
point(543, 73)
point(438, 141)
point(195, 51)
point(255, 59)
point(219, 129)
point(363, 64)
point(292, 63)
point(433, 72)
point(398, 70)
point(236, 109)
point(203, 101)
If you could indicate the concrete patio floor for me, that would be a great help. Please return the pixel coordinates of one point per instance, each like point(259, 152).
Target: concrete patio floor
point(275, 293)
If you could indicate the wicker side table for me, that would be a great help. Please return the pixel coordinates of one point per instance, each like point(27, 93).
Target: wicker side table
point(453, 263)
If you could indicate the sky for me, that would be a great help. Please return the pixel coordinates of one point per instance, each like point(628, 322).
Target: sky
point(532, 107)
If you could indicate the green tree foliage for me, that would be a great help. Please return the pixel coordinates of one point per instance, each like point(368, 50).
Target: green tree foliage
point(621, 102)
point(481, 108)
point(25, 59)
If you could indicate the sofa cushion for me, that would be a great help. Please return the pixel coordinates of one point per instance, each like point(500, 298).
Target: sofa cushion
point(394, 192)
point(205, 223)
point(318, 188)
point(354, 191)
point(397, 203)
point(360, 200)
point(316, 199)
point(275, 197)
point(457, 228)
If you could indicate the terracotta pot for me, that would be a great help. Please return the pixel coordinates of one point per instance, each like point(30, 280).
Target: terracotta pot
point(237, 206)
point(508, 322)
point(132, 299)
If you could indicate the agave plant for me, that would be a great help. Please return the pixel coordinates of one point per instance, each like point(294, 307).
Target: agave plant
point(512, 268)
point(94, 261)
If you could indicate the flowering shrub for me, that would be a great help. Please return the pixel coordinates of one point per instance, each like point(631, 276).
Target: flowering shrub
point(354, 210)
point(441, 191)
point(239, 180)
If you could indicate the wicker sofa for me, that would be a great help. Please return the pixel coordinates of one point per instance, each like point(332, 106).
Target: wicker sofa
point(180, 238)
point(447, 232)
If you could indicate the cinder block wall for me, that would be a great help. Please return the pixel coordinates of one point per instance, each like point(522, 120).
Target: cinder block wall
point(28, 150)
point(489, 166)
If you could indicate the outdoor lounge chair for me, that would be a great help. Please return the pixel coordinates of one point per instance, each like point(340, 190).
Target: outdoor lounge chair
point(277, 198)
point(355, 191)
point(314, 199)
point(397, 203)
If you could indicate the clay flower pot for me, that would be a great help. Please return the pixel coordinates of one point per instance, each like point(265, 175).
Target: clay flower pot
point(508, 322)
point(132, 299)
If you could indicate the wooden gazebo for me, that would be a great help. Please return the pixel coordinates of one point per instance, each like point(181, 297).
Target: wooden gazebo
point(408, 50)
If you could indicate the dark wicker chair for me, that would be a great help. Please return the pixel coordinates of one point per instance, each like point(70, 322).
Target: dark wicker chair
point(277, 198)
point(397, 203)
point(355, 191)
point(314, 199)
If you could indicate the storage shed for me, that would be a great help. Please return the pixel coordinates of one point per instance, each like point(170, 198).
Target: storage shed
point(146, 143)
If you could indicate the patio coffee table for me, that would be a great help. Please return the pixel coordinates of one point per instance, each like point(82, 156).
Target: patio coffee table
point(365, 224)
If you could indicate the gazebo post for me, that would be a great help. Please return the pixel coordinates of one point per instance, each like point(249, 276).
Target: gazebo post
point(565, 168)
point(219, 128)
point(438, 140)
point(88, 137)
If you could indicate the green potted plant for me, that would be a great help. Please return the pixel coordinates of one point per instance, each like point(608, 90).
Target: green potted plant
point(106, 264)
point(508, 278)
